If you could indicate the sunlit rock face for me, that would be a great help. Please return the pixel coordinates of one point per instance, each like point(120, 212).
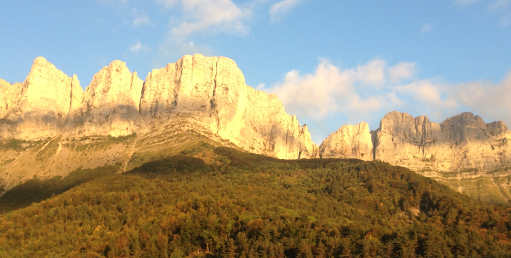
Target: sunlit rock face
point(213, 91)
point(39, 106)
point(463, 151)
point(460, 143)
point(111, 102)
point(350, 141)
point(210, 91)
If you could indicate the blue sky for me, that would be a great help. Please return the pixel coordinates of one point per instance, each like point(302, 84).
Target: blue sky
point(331, 62)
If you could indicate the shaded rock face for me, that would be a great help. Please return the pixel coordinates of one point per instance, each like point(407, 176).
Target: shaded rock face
point(209, 91)
point(463, 151)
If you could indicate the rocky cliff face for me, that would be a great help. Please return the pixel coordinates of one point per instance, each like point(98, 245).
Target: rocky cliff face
point(463, 151)
point(350, 141)
point(40, 105)
point(110, 105)
point(460, 143)
point(210, 91)
point(48, 125)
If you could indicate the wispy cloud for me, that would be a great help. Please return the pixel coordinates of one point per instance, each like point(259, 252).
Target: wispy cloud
point(358, 94)
point(402, 71)
point(138, 47)
point(202, 15)
point(280, 8)
point(489, 99)
point(428, 93)
point(498, 8)
point(330, 90)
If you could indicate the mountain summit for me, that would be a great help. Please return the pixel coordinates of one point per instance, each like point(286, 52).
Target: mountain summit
point(211, 91)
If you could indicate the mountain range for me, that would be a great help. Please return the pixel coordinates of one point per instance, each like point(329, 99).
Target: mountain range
point(50, 127)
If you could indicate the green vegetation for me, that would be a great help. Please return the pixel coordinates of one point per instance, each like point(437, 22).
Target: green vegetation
point(100, 142)
point(228, 203)
point(36, 190)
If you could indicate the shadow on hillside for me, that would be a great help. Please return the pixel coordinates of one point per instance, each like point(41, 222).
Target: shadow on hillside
point(219, 159)
point(36, 190)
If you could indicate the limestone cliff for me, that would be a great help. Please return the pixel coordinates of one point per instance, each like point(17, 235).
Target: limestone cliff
point(460, 143)
point(464, 152)
point(213, 91)
point(110, 105)
point(39, 106)
point(207, 94)
point(350, 141)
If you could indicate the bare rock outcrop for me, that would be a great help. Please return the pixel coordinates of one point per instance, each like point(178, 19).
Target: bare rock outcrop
point(460, 143)
point(463, 152)
point(401, 138)
point(111, 102)
point(213, 90)
point(350, 141)
point(39, 107)
point(210, 91)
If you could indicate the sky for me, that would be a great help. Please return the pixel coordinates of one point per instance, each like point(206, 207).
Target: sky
point(331, 62)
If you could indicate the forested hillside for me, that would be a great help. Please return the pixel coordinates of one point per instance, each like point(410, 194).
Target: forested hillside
point(219, 202)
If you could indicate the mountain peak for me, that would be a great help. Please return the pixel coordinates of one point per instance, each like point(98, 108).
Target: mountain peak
point(4, 83)
point(41, 60)
point(210, 90)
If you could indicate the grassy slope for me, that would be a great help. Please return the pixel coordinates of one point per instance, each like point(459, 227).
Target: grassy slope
point(216, 201)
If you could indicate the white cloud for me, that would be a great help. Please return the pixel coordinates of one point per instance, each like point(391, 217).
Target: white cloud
point(372, 73)
point(490, 100)
point(426, 28)
point(329, 90)
point(365, 92)
point(201, 15)
point(428, 93)
point(401, 71)
point(281, 8)
point(138, 47)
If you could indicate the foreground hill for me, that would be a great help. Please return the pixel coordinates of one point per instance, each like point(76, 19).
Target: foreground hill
point(218, 201)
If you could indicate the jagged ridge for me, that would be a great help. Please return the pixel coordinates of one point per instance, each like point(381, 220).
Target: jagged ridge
point(459, 151)
point(118, 103)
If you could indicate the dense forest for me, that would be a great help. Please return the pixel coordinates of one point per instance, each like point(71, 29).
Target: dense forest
point(219, 202)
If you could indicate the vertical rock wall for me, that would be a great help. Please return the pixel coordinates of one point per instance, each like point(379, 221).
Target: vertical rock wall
point(208, 90)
